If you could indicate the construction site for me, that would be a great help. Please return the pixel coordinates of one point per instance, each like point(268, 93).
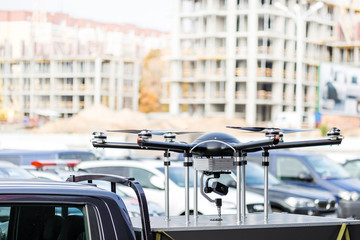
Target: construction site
point(249, 59)
point(234, 59)
point(53, 65)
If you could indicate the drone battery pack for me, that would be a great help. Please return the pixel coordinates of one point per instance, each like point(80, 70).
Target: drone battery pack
point(213, 164)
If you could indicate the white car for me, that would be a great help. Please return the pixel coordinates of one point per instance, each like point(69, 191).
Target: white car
point(150, 174)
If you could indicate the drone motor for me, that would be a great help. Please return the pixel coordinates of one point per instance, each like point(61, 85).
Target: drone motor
point(99, 137)
point(144, 135)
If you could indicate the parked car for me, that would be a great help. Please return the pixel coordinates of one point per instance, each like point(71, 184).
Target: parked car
point(131, 202)
point(316, 171)
point(290, 198)
point(150, 174)
point(48, 170)
point(353, 167)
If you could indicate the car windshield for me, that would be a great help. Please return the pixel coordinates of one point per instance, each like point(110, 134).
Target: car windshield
point(326, 168)
point(255, 175)
point(14, 172)
point(177, 175)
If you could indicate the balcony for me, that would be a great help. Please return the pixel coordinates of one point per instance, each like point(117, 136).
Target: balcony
point(262, 94)
point(240, 72)
point(267, 72)
point(265, 50)
point(241, 50)
point(219, 94)
point(240, 95)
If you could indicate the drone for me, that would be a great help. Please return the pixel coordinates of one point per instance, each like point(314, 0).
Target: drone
point(215, 153)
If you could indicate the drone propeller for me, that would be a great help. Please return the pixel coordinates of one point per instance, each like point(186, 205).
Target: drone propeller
point(154, 132)
point(269, 130)
point(145, 134)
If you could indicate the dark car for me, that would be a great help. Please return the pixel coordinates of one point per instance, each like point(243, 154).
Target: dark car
point(353, 167)
point(35, 209)
point(290, 198)
point(316, 171)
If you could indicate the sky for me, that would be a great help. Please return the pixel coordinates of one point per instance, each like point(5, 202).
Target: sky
point(155, 14)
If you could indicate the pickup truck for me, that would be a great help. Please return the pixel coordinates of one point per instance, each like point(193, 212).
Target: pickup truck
point(45, 210)
point(42, 209)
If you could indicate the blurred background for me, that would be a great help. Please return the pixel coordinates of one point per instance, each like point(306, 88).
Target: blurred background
point(70, 68)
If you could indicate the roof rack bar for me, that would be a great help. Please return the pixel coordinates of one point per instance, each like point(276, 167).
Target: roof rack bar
point(130, 182)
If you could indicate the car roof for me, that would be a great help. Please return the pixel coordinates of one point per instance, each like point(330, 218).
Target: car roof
point(47, 187)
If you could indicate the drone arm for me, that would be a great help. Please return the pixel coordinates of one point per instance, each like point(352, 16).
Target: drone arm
point(299, 144)
point(115, 145)
point(170, 146)
point(267, 143)
point(311, 143)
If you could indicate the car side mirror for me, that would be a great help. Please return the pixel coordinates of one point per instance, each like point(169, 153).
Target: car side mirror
point(157, 182)
point(305, 177)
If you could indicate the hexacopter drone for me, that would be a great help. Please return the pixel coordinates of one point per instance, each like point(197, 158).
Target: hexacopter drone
point(214, 154)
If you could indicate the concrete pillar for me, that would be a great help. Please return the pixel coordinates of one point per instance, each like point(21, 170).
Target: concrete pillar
point(112, 85)
point(251, 64)
point(230, 55)
point(97, 81)
point(136, 86)
point(174, 105)
point(120, 86)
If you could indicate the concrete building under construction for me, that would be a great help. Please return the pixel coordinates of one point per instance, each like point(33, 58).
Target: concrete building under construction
point(55, 65)
point(238, 57)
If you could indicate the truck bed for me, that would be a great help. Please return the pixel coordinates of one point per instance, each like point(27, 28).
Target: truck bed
point(278, 226)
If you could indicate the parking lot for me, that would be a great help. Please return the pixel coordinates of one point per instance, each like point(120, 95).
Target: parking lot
point(299, 196)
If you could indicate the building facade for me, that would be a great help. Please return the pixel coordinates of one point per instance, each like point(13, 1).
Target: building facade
point(63, 87)
point(238, 57)
point(55, 65)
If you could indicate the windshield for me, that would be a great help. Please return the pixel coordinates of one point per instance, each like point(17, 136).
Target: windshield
point(326, 168)
point(255, 175)
point(177, 175)
point(13, 172)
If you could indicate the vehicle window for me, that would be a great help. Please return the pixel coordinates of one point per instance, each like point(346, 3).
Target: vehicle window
point(290, 168)
point(13, 159)
point(142, 176)
point(14, 172)
point(255, 176)
point(35, 221)
point(326, 168)
point(80, 156)
point(353, 168)
point(28, 158)
point(120, 171)
point(67, 156)
point(177, 175)
point(4, 222)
